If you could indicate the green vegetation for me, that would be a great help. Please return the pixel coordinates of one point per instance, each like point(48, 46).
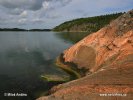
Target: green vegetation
point(18, 29)
point(55, 78)
point(67, 68)
point(12, 29)
point(90, 24)
point(70, 68)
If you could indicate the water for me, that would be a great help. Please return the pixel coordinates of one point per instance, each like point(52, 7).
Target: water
point(24, 56)
point(72, 37)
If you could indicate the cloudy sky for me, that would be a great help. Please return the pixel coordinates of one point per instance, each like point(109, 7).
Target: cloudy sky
point(49, 13)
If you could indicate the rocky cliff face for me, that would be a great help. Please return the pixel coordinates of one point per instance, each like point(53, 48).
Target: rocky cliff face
point(105, 47)
point(108, 55)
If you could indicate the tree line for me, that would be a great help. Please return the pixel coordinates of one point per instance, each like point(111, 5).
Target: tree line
point(89, 24)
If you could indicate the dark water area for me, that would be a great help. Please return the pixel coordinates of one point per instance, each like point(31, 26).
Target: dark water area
point(72, 37)
point(24, 57)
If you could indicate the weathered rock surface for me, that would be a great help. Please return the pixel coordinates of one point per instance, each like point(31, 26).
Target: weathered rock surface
point(108, 55)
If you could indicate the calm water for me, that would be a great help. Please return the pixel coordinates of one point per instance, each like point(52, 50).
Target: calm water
point(24, 56)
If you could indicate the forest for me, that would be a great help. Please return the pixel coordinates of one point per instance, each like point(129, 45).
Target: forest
point(89, 24)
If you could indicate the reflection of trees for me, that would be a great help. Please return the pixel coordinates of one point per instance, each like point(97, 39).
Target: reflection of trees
point(71, 36)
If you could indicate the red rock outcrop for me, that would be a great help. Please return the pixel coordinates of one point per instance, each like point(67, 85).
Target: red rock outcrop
point(108, 54)
point(108, 45)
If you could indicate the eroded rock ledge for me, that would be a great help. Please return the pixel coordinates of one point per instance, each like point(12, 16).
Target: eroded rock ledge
point(108, 54)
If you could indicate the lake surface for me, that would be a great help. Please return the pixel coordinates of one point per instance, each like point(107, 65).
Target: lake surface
point(24, 57)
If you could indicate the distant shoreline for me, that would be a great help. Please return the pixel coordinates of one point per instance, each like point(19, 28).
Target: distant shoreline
point(17, 29)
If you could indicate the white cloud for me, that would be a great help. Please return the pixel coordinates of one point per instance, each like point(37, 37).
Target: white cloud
point(24, 14)
point(50, 13)
point(22, 20)
point(45, 5)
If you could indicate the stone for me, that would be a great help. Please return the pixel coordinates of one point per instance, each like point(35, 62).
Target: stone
point(108, 56)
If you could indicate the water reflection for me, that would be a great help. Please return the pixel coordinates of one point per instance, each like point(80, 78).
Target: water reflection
point(72, 37)
point(24, 56)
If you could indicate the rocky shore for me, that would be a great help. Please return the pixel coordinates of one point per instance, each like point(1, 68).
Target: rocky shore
point(107, 59)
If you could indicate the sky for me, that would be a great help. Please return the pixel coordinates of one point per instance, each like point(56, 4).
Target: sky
point(43, 14)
